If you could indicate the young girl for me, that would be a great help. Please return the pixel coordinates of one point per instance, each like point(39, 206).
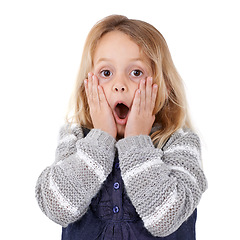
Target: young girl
point(127, 165)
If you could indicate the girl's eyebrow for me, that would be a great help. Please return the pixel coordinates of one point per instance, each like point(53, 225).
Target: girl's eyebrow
point(109, 60)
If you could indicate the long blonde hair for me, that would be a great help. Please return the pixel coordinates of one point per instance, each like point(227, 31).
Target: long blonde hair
point(171, 106)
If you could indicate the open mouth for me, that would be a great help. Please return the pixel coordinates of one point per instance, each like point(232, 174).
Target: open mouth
point(121, 110)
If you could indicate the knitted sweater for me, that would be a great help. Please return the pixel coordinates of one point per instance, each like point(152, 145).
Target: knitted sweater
point(164, 185)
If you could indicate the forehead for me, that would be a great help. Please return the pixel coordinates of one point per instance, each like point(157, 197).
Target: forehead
point(115, 45)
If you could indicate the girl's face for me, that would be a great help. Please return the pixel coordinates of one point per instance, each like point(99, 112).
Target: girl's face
point(119, 66)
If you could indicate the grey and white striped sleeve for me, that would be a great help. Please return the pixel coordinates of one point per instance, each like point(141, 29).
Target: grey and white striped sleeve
point(165, 185)
point(64, 190)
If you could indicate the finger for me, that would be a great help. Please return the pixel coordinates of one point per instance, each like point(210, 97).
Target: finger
point(95, 96)
point(86, 85)
point(143, 94)
point(136, 102)
point(102, 98)
point(154, 95)
point(148, 92)
point(90, 86)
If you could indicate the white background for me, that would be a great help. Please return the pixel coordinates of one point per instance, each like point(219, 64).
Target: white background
point(40, 49)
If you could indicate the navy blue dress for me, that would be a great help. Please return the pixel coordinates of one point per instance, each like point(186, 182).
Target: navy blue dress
point(112, 216)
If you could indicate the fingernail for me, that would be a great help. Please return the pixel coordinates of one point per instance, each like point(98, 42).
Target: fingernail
point(89, 74)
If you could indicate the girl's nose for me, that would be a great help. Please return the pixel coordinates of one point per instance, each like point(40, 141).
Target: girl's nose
point(120, 84)
point(119, 88)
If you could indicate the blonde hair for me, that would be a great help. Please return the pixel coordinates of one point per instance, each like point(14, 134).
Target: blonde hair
point(171, 106)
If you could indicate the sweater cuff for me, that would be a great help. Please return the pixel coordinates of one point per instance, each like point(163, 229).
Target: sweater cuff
point(134, 151)
point(100, 147)
point(134, 142)
point(101, 139)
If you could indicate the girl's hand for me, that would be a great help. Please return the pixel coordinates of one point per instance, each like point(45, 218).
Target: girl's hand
point(141, 117)
point(100, 111)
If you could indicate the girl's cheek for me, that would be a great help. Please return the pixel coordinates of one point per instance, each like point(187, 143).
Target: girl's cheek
point(106, 91)
point(102, 80)
point(138, 79)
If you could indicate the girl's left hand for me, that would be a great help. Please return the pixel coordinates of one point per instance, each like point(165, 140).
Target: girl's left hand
point(141, 118)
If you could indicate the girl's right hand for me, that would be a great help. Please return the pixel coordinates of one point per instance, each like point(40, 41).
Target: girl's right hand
point(100, 111)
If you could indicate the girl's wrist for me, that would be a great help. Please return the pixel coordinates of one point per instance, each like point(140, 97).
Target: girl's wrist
point(100, 139)
point(134, 142)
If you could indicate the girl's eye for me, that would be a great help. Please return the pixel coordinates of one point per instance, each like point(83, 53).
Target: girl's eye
point(136, 73)
point(105, 73)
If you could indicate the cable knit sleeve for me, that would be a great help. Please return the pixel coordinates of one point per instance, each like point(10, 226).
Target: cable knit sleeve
point(164, 185)
point(65, 189)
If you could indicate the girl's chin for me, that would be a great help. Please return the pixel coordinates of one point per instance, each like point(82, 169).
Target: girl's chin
point(120, 131)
